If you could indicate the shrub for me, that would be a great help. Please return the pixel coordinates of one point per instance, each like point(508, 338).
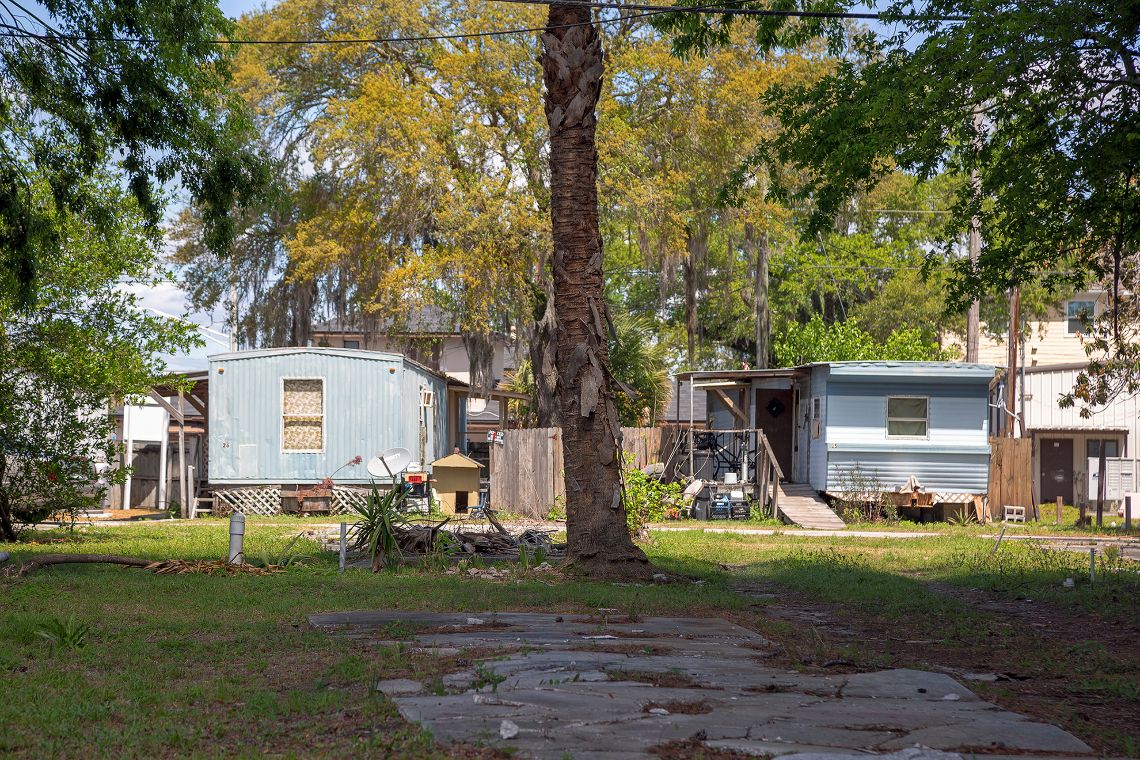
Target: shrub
point(647, 499)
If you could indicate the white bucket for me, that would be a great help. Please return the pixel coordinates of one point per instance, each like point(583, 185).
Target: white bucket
point(731, 477)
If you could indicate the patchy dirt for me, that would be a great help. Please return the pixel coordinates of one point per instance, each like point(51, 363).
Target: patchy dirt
point(630, 649)
point(675, 707)
point(694, 749)
point(491, 625)
point(1078, 672)
point(667, 680)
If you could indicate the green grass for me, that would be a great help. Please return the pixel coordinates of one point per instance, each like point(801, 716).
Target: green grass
point(205, 666)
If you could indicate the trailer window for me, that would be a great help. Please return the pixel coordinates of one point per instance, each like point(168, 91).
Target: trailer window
point(303, 414)
point(907, 416)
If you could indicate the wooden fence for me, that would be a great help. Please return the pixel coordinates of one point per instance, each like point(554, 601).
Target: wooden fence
point(1011, 476)
point(526, 469)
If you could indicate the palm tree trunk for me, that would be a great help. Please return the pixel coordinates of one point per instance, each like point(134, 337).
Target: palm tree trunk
point(598, 541)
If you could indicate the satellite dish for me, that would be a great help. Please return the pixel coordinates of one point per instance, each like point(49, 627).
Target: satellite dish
point(389, 463)
point(476, 405)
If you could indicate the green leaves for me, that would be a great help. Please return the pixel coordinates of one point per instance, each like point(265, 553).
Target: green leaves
point(82, 343)
point(375, 530)
point(818, 341)
point(133, 89)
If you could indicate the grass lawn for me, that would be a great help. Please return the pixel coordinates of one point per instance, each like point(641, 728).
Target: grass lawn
point(200, 665)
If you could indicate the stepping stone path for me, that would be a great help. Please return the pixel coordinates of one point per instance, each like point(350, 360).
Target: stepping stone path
point(605, 688)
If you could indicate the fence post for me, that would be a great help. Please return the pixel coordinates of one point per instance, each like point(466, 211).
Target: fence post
point(1128, 510)
point(1101, 487)
point(1092, 564)
point(1059, 500)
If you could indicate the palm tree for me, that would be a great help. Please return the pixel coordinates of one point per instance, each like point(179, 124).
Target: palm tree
point(639, 368)
point(598, 542)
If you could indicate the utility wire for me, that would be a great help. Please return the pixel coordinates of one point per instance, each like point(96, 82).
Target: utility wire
point(722, 11)
point(646, 11)
point(658, 10)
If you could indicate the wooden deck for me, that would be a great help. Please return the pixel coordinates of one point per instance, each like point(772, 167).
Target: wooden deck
point(800, 504)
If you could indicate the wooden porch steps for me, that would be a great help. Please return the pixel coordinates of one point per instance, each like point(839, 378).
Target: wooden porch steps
point(800, 504)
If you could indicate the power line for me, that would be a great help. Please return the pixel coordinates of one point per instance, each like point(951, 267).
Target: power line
point(645, 11)
point(723, 11)
point(23, 33)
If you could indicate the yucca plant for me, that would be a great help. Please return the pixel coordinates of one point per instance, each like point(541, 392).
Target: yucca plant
point(375, 532)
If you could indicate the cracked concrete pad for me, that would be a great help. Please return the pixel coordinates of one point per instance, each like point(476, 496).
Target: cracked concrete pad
point(580, 687)
point(395, 686)
point(911, 753)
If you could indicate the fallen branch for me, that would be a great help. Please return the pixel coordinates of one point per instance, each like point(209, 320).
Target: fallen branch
point(164, 567)
point(45, 560)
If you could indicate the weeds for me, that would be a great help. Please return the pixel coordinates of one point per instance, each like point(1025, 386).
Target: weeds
point(864, 498)
point(285, 557)
point(69, 634)
point(484, 677)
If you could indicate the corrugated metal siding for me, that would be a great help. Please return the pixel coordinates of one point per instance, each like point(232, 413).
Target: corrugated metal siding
point(368, 408)
point(1043, 389)
point(953, 457)
point(938, 471)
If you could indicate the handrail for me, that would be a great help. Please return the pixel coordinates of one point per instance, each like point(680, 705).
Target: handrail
point(771, 456)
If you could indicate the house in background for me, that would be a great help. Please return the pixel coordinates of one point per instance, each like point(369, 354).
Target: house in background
point(905, 425)
point(149, 433)
point(297, 415)
point(429, 337)
point(1063, 440)
point(1053, 340)
point(1050, 358)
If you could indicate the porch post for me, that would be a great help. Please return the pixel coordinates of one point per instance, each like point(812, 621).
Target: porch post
point(184, 497)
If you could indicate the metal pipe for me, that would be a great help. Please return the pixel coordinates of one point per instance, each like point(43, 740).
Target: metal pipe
point(237, 538)
point(343, 544)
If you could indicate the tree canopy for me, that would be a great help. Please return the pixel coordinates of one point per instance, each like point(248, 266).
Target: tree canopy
point(1039, 100)
point(137, 89)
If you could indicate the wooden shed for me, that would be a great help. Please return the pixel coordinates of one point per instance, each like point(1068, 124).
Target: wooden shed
point(455, 479)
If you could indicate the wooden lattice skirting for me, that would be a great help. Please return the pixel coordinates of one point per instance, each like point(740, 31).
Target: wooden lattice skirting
point(267, 500)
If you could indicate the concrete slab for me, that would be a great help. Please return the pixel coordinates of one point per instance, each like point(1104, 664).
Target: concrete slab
point(584, 687)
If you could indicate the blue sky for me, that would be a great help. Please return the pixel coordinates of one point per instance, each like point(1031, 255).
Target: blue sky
point(234, 8)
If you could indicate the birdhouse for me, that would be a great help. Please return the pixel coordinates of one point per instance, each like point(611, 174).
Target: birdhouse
point(456, 481)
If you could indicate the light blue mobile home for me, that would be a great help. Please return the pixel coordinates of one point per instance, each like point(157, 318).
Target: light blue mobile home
point(892, 421)
point(895, 421)
point(297, 415)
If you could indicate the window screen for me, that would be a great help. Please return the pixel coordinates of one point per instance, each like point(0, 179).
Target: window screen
point(303, 415)
point(907, 416)
point(1076, 314)
point(352, 344)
